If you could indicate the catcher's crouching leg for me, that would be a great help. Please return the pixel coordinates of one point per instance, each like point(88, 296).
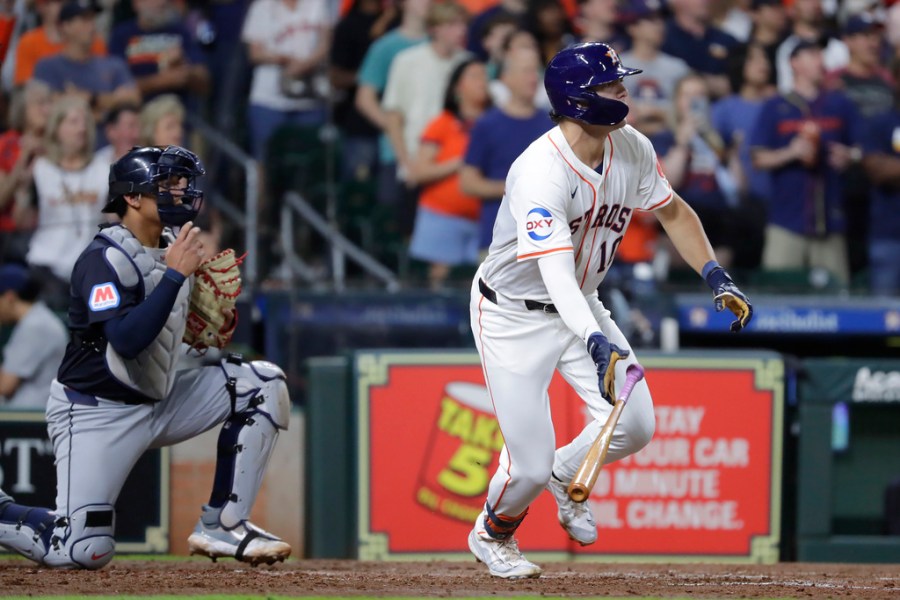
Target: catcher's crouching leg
point(245, 445)
point(84, 539)
point(25, 529)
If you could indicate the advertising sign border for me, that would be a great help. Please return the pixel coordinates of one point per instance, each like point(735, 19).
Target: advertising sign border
point(370, 368)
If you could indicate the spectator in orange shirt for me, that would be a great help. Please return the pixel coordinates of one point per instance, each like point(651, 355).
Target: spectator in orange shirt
point(445, 233)
point(44, 41)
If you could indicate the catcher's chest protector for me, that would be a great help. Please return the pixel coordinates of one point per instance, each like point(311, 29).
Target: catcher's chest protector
point(153, 371)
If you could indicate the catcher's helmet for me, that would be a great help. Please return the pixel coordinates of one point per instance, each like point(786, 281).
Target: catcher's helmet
point(574, 71)
point(145, 170)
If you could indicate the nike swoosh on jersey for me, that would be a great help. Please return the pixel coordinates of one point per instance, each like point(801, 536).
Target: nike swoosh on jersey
point(575, 191)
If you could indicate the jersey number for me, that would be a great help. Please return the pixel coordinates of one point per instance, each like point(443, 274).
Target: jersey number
point(605, 260)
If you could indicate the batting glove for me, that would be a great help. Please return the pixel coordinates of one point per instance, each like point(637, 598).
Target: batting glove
point(605, 356)
point(727, 295)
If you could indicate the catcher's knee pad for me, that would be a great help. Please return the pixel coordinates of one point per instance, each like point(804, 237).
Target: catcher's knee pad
point(276, 402)
point(264, 383)
point(26, 530)
point(84, 539)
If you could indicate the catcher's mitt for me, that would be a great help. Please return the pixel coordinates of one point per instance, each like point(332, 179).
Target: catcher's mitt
point(216, 288)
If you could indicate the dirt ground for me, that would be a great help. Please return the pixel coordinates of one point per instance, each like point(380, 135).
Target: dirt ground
point(457, 579)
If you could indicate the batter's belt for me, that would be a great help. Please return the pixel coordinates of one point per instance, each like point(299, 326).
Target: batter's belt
point(491, 295)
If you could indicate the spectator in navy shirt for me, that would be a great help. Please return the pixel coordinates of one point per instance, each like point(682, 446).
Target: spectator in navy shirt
point(160, 51)
point(691, 37)
point(881, 150)
point(104, 81)
point(700, 167)
point(803, 139)
point(733, 118)
point(501, 135)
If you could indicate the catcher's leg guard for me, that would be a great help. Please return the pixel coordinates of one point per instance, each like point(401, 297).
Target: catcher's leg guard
point(84, 539)
point(247, 440)
point(25, 529)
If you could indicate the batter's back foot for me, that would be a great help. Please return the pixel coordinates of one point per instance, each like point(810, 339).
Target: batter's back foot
point(245, 542)
point(502, 557)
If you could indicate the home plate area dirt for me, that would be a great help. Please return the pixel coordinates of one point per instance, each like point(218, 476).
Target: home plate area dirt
point(456, 579)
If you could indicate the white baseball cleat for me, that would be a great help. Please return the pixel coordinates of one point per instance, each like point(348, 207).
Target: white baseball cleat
point(502, 557)
point(575, 517)
point(246, 542)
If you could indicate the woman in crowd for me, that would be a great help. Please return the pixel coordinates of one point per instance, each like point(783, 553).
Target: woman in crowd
point(162, 122)
point(72, 185)
point(445, 233)
point(20, 145)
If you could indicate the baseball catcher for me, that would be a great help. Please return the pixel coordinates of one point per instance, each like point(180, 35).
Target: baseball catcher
point(138, 292)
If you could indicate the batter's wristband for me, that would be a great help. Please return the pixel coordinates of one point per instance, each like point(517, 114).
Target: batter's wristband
point(709, 268)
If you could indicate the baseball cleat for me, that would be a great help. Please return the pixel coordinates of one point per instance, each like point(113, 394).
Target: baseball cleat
point(575, 517)
point(246, 542)
point(502, 557)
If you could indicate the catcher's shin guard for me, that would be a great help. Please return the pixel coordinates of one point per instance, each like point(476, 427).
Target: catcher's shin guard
point(248, 438)
point(24, 529)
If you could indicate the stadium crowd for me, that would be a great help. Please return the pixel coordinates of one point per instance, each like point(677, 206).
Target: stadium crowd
point(777, 120)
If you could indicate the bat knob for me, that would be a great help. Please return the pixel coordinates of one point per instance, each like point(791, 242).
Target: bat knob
point(636, 370)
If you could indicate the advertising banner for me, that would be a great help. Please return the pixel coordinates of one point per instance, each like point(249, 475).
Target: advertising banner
point(28, 474)
point(706, 487)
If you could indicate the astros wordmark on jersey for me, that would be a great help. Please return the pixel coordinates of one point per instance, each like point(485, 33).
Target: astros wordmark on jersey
point(556, 203)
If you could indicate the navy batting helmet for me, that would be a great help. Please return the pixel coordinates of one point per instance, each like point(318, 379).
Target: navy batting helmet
point(572, 74)
point(146, 171)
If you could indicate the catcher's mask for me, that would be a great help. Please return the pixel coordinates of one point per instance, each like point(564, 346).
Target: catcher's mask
point(157, 172)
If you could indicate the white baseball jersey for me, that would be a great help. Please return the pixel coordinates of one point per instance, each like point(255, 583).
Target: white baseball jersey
point(555, 203)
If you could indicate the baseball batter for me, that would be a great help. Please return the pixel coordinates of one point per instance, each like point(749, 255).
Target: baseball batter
point(119, 390)
point(534, 308)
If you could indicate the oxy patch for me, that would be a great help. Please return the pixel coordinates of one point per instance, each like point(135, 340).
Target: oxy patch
point(539, 224)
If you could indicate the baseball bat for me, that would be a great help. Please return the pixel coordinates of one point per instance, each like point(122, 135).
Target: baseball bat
point(587, 473)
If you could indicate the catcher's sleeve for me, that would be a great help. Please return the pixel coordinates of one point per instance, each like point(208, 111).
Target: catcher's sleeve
point(134, 331)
